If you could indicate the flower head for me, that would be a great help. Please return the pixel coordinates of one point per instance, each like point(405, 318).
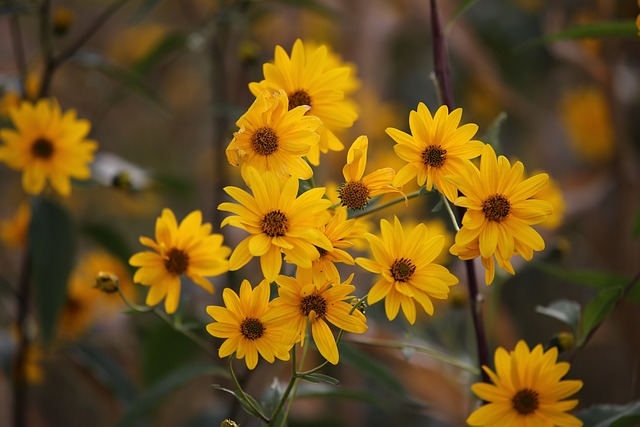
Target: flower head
point(278, 221)
point(47, 144)
point(273, 137)
point(437, 147)
point(552, 193)
point(304, 302)
point(188, 248)
point(357, 190)
point(405, 262)
point(14, 232)
point(249, 325)
point(527, 390)
point(500, 208)
point(309, 78)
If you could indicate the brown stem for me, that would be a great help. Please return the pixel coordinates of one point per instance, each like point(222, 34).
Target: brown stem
point(18, 50)
point(19, 378)
point(443, 78)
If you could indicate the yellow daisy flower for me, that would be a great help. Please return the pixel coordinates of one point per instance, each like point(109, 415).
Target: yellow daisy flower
point(356, 192)
point(47, 145)
point(249, 325)
point(277, 221)
point(274, 138)
point(188, 248)
point(436, 148)
point(14, 231)
point(527, 390)
point(305, 302)
point(308, 79)
point(500, 210)
point(472, 250)
point(405, 262)
point(337, 229)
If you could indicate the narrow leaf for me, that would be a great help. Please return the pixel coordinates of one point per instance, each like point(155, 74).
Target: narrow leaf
point(243, 402)
point(623, 29)
point(145, 403)
point(492, 135)
point(52, 240)
point(320, 378)
point(565, 311)
point(462, 8)
point(611, 415)
point(598, 309)
point(109, 238)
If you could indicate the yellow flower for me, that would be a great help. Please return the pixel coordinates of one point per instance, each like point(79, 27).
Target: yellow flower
point(587, 118)
point(472, 250)
point(405, 262)
point(500, 210)
point(85, 305)
point(337, 231)
point(356, 192)
point(527, 390)
point(305, 302)
point(274, 138)
point(14, 232)
point(188, 248)
point(47, 144)
point(552, 194)
point(250, 325)
point(308, 79)
point(10, 99)
point(63, 19)
point(277, 221)
point(133, 44)
point(436, 148)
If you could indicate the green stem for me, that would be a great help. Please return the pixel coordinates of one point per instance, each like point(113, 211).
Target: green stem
point(292, 381)
point(452, 215)
point(242, 393)
point(305, 351)
point(376, 208)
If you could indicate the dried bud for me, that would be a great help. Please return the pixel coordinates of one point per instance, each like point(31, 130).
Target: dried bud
point(362, 307)
point(563, 341)
point(107, 282)
point(229, 423)
point(63, 19)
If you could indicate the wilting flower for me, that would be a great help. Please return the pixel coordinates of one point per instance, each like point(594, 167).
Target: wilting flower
point(188, 248)
point(318, 304)
point(357, 190)
point(404, 260)
point(437, 147)
point(274, 138)
point(47, 144)
point(249, 325)
point(308, 79)
point(278, 221)
point(527, 390)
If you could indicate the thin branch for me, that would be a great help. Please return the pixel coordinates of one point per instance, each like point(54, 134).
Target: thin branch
point(18, 50)
point(19, 380)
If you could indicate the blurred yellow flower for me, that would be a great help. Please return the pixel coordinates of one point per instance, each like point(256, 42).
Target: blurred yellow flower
point(308, 79)
point(552, 193)
point(188, 248)
point(500, 208)
point(249, 325)
point(132, 44)
point(274, 138)
point(337, 231)
point(10, 99)
point(587, 119)
point(86, 305)
point(437, 147)
point(63, 19)
point(404, 259)
point(14, 231)
point(527, 390)
point(304, 302)
point(278, 221)
point(357, 190)
point(47, 144)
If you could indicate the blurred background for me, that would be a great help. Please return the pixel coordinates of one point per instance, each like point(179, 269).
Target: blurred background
point(163, 83)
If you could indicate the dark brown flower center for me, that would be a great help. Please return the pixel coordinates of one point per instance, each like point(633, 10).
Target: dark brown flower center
point(177, 261)
point(298, 98)
point(496, 207)
point(322, 251)
point(251, 328)
point(313, 302)
point(42, 148)
point(354, 195)
point(274, 223)
point(402, 269)
point(264, 141)
point(525, 401)
point(434, 156)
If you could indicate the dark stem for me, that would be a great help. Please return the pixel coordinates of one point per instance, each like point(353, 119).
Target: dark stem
point(18, 51)
point(53, 62)
point(19, 378)
point(443, 78)
point(45, 45)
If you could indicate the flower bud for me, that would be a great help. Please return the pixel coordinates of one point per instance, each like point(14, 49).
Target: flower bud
point(107, 282)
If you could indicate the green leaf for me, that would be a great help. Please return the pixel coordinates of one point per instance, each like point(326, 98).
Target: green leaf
point(438, 207)
point(599, 308)
point(169, 43)
point(565, 311)
point(611, 415)
point(178, 378)
point(109, 238)
point(492, 135)
point(244, 401)
point(624, 29)
point(52, 241)
point(320, 378)
point(462, 8)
